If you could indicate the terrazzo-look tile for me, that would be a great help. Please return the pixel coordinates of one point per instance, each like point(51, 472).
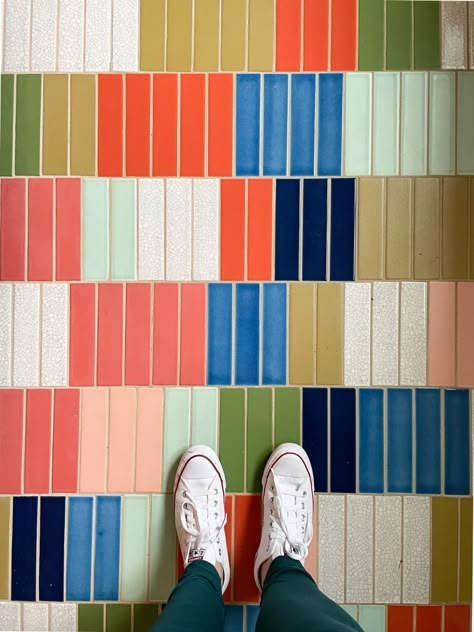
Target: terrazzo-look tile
point(331, 541)
point(385, 333)
point(178, 229)
point(54, 334)
point(134, 548)
point(10, 616)
point(6, 291)
point(16, 56)
point(151, 227)
point(454, 34)
point(125, 35)
point(98, 38)
point(44, 15)
point(162, 547)
point(26, 335)
point(357, 334)
point(35, 617)
point(388, 549)
point(359, 552)
point(63, 617)
point(71, 36)
point(413, 334)
point(442, 123)
point(416, 549)
point(206, 229)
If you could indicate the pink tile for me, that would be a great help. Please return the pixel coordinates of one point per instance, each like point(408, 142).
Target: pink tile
point(38, 441)
point(11, 440)
point(93, 440)
point(121, 440)
point(465, 341)
point(193, 328)
point(149, 440)
point(65, 439)
point(441, 332)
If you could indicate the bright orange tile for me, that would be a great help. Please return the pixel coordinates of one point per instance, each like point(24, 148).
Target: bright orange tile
point(288, 35)
point(457, 618)
point(232, 229)
point(399, 618)
point(149, 440)
point(165, 124)
point(122, 413)
point(137, 125)
point(110, 125)
point(441, 332)
point(316, 35)
point(260, 229)
point(220, 124)
point(246, 541)
point(192, 124)
point(343, 34)
point(94, 407)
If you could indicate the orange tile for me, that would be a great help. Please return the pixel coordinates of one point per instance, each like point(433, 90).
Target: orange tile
point(232, 229)
point(65, 440)
point(165, 334)
point(399, 618)
point(428, 618)
point(12, 229)
point(120, 476)
point(149, 440)
point(343, 34)
point(288, 35)
point(37, 441)
point(137, 126)
point(457, 618)
point(165, 124)
point(82, 334)
point(40, 229)
point(137, 333)
point(110, 334)
point(441, 332)
point(110, 125)
point(192, 124)
point(220, 124)
point(11, 445)
point(465, 335)
point(93, 450)
point(316, 32)
point(260, 229)
point(246, 541)
point(193, 334)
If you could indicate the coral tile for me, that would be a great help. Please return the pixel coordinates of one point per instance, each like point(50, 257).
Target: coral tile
point(110, 125)
point(232, 230)
point(193, 333)
point(165, 334)
point(68, 229)
point(137, 124)
point(65, 440)
point(192, 124)
point(121, 440)
point(246, 541)
point(220, 124)
point(165, 125)
point(343, 34)
point(82, 335)
point(11, 444)
point(12, 229)
point(137, 333)
point(288, 35)
point(38, 441)
point(94, 411)
point(149, 445)
point(316, 35)
point(441, 333)
point(465, 337)
point(259, 229)
point(40, 229)
point(110, 334)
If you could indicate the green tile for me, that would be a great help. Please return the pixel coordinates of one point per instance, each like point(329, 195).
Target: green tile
point(204, 417)
point(358, 123)
point(27, 131)
point(287, 416)
point(372, 618)
point(144, 616)
point(162, 547)
point(176, 432)
point(123, 229)
point(118, 617)
point(371, 34)
point(426, 39)
point(465, 123)
point(134, 548)
point(351, 610)
point(398, 45)
point(6, 126)
point(91, 617)
point(95, 230)
point(442, 123)
point(259, 435)
point(232, 437)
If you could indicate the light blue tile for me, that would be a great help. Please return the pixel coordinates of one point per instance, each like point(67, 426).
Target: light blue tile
point(274, 333)
point(275, 121)
point(330, 124)
point(303, 94)
point(79, 549)
point(107, 548)
point(247, 145)
point(247, 334)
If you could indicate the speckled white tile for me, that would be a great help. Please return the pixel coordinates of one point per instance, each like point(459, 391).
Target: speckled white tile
point(63, 617)
point(10, 616)
point(385, 333)
point(413, 334)
point(44, 23)
point(35, 617)
point(331, 546)
point(416, 549)
point(125, 35)
point(6, 290)
point(206, 229)
point(178, 229)
point(357, 334)
point(26, 334)
point(388, 549)
point(71, 36)
point(2, 13)
point(16, 55)
point(98, 35)
point(360, 546)
point(453, 34)
point(54, 334)
point(151, 226)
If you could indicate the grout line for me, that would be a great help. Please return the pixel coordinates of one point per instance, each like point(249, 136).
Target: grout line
point(51, 440)
point(300, 227)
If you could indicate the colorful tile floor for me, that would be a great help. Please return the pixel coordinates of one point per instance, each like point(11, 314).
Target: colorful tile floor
point(239, 223)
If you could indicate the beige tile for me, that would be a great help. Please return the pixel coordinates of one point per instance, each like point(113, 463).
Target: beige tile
point(179, 35)
point(444, 550)
point(261, 20)
point(55, 124)
point(301, 336)
point(370, 217)
point(206, 34)
point(152, 34)
point(455, 228)
point(329, 334)
point(426, 237)
point(233, 35)
point(399, 228)
point(83, 124)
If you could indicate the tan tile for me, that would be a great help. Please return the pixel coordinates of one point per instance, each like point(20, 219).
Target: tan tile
point(261, 19)
point(179, 35)
point(233, 36)
point(206, 35)
point(465, 550)
point(399, 228)
point(444, 549)
point(329, 333)
point(4, 547)
point(370, 215)
point(426, 237)
point(82, 130)
point(152, 34)
point(301, 341)
point(455, 228)
point(55, 123)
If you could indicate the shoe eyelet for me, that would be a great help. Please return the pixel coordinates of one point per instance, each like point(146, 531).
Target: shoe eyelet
point(304, 493)
point(218, 541)
point(185, 494)
point(220, 551)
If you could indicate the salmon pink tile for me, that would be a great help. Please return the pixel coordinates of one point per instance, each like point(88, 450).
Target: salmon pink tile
point(11, 440)
point(316, 31)
point(65, 440)
point(12, 229)
point(441, 332)
point(40, 229)
point(343, 34)
point(121, 440)
point(192, 124)
point(428, 618)
point(68, 229)
point(138, 89)
point(288, 35)
point(465, 334)
point(110, 334)
point(37, 441)
point(137, 333)
point(220, 124)
point(457, 618)
point(165, 124)
point(110, 125)
point(193, 333)
point(232, 230)
point(82, 334)
point(149, 440)
point(246, 541)
point(165, 334)
point(260, 229)
point(400, 618)
point(93, 451)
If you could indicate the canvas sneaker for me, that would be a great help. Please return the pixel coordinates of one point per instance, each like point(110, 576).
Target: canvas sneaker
point(287, 506)
point(199, 508)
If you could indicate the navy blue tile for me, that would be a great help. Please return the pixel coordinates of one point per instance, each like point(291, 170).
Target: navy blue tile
point(233, 619)
point(315, 434)
point(79, 549)
point(428, 441)
point(274, 334)
point(371, 444)
point(343, 440)
point(342, 229)
point(456, 442)
point(275, 118)
point(247, 334)
point(315, 198)
point(107, 548)
point(303, 92)
point(287, 229)
point(23, 585)
point(247, 148)
point(252, 616)
point(51, 562)
point(330, 124)
point(219, 336)
point(399, 440)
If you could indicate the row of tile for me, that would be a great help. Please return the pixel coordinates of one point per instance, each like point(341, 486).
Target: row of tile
point(130, 440)
point(329, 124)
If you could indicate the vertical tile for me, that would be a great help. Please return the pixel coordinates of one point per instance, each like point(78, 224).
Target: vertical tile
point(444, 549)
point(259, 435)
point(232, 255)
point(371, 35)
point(151, 227)
point(371, 441)
point(414, 122)
point(358, 123)
point(82, 334)
point(10, 616)
point(35, 617)
point(26, 305)
point(247, 334)
point(287, 416)
point(233, 34)
point(65, 440)
point(331, 538)
point(274, 333)
point(252, 613)
point(90, 617)
point(121, 440)
point(71, 36)
point(165, 125)
point(301, 334)
point(441, 140)
point(370, 228)
point(360, 549)
point(233, 618)
point(11, 448)
point(330, 123)
point(303, 95)
point(456, 442)
point(288, 35)
point(44, 18)
point(247, 131)
point(118, 617)
point(400, 618)
point(261, 28)
point(454, 34)
point(428, 441)
point(287, 229)
point(455, 236)
point(24, 537)
point(388, 549)
point(98, 35)
point(343, 35)
point(426, 228)
point(134, 548)
point(149, 440)
point(471, 221)
point(179, 36)
point(220, 124)
point(399, 222)
point(94, 414)
point(315, 434)
point(428, 618)
point(107, 548)
point(192, 124)
point(152, 34)
point(68, 229)
point(343, 440)
point(82, 125)
point(95, 230)
point(178, 229)
point(399, 441)
point(385, 333)
point(315, 211)
point(316, 35)
point(165, 334)
point(123, 200)
point(232, 437)
point(426, 37)
point(275, 116)
point(79, 549)
point(5, 504)
point(206, 229)
point(40, 229)
point(441, 334)
point(16, 44)
point(144, 616)
point(137, 333)
point(260, 229)
point(176, 431)
point(137, 124)
point(51, 552)
point(413, 334)
point(6, 290)
point(329, 334)
point(206, 35)
point(386, 123)
point(357, 316)
point(219, 333)
point(110, 125)
point(63, 617)
point(204, 428)
point(465, 339)
point(465, 549)
point(54, 334)
point(109, 334)
point(457, 617)
point(125, 35)
point(162, 547)
point(246, 539)
point(27, 132)
point(465, 127)
point(471, 38)
point(6, 131)
point(193, 334)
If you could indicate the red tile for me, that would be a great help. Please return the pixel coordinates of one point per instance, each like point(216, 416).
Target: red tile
point(110, 334)
point(465, 334)
point(343, 34)
point(137, 333)
point(220, 124)
point(12, 229)
point(40, 229)
point(232, 229)
point(288, 35)
point(457, 618)
point(165, 334)
point(82, 334)
point(260, 229)
point(68, 229)
point(110, 127)
point(399, 618)
point(316, 35)
point(229, 508)
point(11, 440)
point(193, 334)
point(65, 440)
point(138, 89)
point(165, 124)
point(37, 441)
point(246, 541)
point(192, 124)
point(428, 618)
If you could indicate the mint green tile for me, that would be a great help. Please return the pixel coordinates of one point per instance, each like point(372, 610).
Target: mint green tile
point(144, 616)
point(351, 610)
point(123, 220)
point(414, 133)
point(358, 123)
point(287, 416)
point(426, 36)
point(442, 123)
point(204, 417)
point(259, 435)
point(466, 123)
point(95, 230)
point(6, 125)
point(232, 437)
point(90, 617)
point(134, 548)
point(372, 618)
point(398, 35)
point(176, 431)
point(162, 547)
point(386, 123)
point(118, 617)
point(371, 34)
point(27, 129)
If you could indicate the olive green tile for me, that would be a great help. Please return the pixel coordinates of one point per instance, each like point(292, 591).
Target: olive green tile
point(426, 35)
point(371, 34)
point(27, 130)
point(398, 35)
point(233, 34)
point(329, 334)
point(455, 221)
point(301, 333)
point(152, 34)
point(370, 229)
point(287, 416)
point(6, 125)
point(465, 550)
point(206, 35)
point(118, 617)
point(426, 236)
point(144, 616)
point(261, 23)
point(259, 435)
point(163, 557)
point(55, 124)
point(444, 550)
point(179, 36)
point(83, 125)
point(90, 617)
point(4, 548)
point(232, 437)
point(399, 228)
point(471, 214)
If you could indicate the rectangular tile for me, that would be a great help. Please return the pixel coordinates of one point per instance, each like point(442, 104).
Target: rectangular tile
point(137, 333)
point(13, 231)
point(95, 230)
point(51, 552)
point(94, 417)
point(98, 36)
point(329, 328)
point(55, 124)
point(261, 29)
point(357, 317)
point(371, 35)
point(233, 618)
point(220, 123)
point(71, 36)
point(123, 200)
point(428, 441)
point(274, 333)
point(426, 40)
point(343, 35)
point(219, 333)
point(162, 547)
point(301, 334)
point(315, 212)
point(413, 327)
point(204, 422)
point(454, 227)
point(165, 125)
point(10, 615)
point(471, 39)
point(90, 617)
point(371, 441)
point(149, 440)
point(275, 116)
point(206, 35)
point(465, 549)
point(65, 440)
point(27, 132)
point(54, 334)
point(5, 505)
point(259, 435)
point(315, 434)
point(232, 226)
point(118, 617)
point(151, 228)
point(287, 416)
point(6, 292)
point(110, 125)
point(457, 617)
point(206, 229)
point(178, 229)
point(303, 95)
point(373, 618)
point(165, 333)
point(233, 34)
point(456, 442)
point(330, 124)
point(388, 549)
point(441, 140)
point(79, 549)
point(107, 548)
point(144, 616)
point(246, 539)
point(465, 339)
point(358, 123)
point(179, 36)
point(68, 229)
point(26, 305)
point(360, 549)
point(428, 618)
point(176, 431)
point(125, 35)
point(232, 437)
point(399, 440)
point(454, 34)
point(441, 333)
point(370, 228)
point(287, 229)
point(247, 334)
point(316, 35)
point(110, 335)
point(192, 124)
point(121, 440)
point(444, 549)
point(414, 122)
point(386, 123)
point(152, 34)
point(6, 131)
point(259, 229)
point(23, 552)
point(16, 57)
point(465, 96)
point(385, 333)
point(288, 35)
point(134, 548)
point(44, 17)
point(37, 459)
point(137, 124)
point(342, 229)
point(331, 538)
point(63, 617)
point(193, 334)
point(82, 334)
point(40, 229)
point(343, 440)
point(247, 125)
point(426, 242)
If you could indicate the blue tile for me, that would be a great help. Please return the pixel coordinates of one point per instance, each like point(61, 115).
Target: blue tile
point(287, 230)
point(315, 434)
point(371, 444)
point(303, 92)
point(428, 441)
point(79, 549)
point(342, 229)
point(456, 442)
point(107, 548)
point(274, 334)
point(330, 124)
point(343, 440)
point(25, 510)
point(219, 341)
point(252, 616)
point(315, 198)
point(399, 440)
point(275, 118)
point(247, 334)
point(247, 147)
point(233, 619)
point(51, 558)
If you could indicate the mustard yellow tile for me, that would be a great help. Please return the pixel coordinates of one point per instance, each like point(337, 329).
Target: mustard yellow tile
point(82, 128)
point(454, 261)
point(152, 34)
point(233, 36)
point(444, 549)
point(261, 17)
point(329, 333)
point(370, 229)
point(426, 232)
point(399, 228)
point(179, 35)
point(465, 551)
point(206, 35)
point(301, 333)
point(4, 547)
point(55, 123)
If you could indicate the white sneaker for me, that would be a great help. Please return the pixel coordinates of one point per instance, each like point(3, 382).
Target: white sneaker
point(199, 508)
point(287, 497)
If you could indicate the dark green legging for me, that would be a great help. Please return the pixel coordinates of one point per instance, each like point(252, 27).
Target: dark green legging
point(290, 601)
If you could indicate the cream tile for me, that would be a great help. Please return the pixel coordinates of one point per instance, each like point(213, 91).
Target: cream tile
point(360, 546)
point(44, 24)
point(151, 227)
point(63, 617)
point(26, 334)
point(385, 333)
point(388, 549)
point(35, 617)
point(331, 546)
point(206, 231)
point(125, 35)
point(416, 549)
point(413, 334)
point(178, 229)
point(98, 40)
point(10, 616)
point(6, 291)
point(16, 42)
point(54, 334)
point(357, 334)
point(453, 17)
point(71, 36)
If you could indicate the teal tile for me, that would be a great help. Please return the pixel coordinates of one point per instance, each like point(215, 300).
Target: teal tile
point(358, 123)
point(372, 618)
point(204, 417)
point(162, 547)
point(176, 431)
point(414, 123)
point(134, 548)
point(442, 123)
point(465, 123)
point(386, 123)
point(27, 131)
point(6, 125)
point(95, 230)
point(123, 221)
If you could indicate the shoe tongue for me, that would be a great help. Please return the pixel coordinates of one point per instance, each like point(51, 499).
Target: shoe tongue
point(200, 486)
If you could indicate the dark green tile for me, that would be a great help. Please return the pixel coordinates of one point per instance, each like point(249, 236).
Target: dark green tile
point(371, 34)
point(232, 437)
point(118, 617)
point(144, 616)
point(426, 40)
point(27, 131)
point(287, 416)
point(259, 435)
point(6, 126)
point(91, 617)
point(398, 29)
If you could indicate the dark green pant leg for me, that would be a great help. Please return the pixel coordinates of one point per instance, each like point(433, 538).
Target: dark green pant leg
point(196, 604)
point(291, 601)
